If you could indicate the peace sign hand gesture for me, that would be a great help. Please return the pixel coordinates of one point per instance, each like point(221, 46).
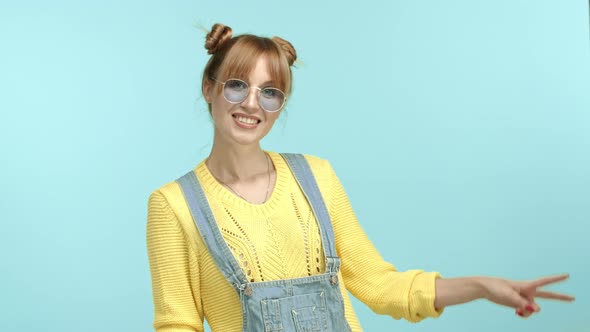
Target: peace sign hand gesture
point(521, 294)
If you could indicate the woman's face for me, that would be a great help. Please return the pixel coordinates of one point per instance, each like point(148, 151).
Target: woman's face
point(245, 123)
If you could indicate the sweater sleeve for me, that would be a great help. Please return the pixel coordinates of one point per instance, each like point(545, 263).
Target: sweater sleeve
point(173, 265)
point(377, 283)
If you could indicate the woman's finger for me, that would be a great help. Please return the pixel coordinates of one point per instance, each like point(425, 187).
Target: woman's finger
point(525, 312)
point(548, 280)
point(530, 308)
point(554, 296)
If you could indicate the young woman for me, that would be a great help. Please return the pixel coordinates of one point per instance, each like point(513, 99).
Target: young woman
point(254, 240)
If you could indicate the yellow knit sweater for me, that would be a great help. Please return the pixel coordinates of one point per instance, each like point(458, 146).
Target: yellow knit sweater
point(275, 240)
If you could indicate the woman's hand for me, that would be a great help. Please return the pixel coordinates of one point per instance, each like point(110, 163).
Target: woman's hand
point(521, 294)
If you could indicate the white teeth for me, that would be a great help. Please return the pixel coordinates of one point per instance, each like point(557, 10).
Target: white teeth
point(246, 120)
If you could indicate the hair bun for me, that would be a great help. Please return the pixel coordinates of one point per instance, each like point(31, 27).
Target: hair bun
point(218, 35)
point(287, 48)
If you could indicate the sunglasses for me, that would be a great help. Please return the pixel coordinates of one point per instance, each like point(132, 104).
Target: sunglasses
point(236, 91)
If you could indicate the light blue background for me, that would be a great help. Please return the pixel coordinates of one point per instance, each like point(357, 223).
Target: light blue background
point(460, 129)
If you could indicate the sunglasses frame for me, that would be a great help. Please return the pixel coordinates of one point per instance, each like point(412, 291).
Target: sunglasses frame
point(250, 87)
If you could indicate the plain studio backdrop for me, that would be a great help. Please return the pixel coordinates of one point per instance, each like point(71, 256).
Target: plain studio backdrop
point(460, 130)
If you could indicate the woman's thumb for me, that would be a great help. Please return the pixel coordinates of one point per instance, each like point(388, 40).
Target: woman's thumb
point(517, 301)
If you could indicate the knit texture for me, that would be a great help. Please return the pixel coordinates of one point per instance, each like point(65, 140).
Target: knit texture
point(278, 239)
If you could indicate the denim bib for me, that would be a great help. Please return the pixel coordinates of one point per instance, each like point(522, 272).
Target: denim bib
point(306, 304)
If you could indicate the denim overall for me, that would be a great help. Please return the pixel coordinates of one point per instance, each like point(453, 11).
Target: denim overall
point(306, 304)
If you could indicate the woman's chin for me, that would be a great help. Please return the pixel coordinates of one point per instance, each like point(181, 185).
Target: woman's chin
point(246, 139)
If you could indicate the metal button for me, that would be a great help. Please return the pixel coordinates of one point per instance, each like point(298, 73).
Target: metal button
point(248, 290)
point(334, 279)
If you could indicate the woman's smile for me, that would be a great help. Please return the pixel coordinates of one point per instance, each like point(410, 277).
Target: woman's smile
point(245, 121)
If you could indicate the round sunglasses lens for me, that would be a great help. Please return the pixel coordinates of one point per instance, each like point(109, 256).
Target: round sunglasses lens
point(271, 99)
point(235, 91)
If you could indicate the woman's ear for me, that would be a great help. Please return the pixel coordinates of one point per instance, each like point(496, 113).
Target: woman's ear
point(206, 89)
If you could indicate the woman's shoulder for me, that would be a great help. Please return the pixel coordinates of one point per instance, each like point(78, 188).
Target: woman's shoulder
point(168, 194)
point(168, 200)
point(316, 163)
point(168, 210)
point(310, 158)
point(171, 193)
point(320, 167)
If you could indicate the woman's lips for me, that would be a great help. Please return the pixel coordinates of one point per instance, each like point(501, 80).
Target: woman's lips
point(246, 122)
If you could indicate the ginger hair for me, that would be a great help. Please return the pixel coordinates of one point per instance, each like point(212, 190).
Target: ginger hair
point(236, 56)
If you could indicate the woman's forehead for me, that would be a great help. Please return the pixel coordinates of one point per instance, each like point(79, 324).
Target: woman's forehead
point(259, 70)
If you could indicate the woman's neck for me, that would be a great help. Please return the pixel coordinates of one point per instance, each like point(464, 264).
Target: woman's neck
point(231, 163)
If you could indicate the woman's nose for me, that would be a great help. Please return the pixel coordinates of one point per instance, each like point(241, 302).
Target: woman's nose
point(251, 101)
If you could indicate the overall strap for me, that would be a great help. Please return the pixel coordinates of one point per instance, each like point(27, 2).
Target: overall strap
point(304, 176)
point(207, 226)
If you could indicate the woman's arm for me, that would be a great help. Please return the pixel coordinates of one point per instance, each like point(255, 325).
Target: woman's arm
point(415, 294)
point(516, 294)
point(176, 295)
point(377, 283)
point(451, 291)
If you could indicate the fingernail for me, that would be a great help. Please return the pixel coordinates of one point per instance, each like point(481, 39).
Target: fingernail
point(519, 312)
point(529, 308)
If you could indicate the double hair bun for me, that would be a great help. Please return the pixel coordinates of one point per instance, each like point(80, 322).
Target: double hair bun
point(220, 34)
